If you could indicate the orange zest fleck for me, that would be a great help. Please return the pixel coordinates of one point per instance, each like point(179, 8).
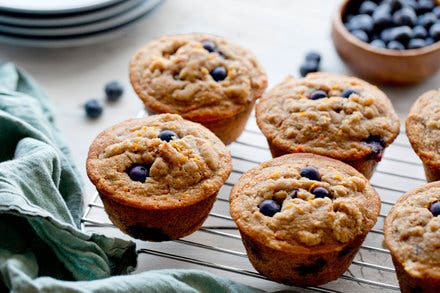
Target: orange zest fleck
point(299, 148)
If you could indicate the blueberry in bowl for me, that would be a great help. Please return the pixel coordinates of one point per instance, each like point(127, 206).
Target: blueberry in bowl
point(399, 37)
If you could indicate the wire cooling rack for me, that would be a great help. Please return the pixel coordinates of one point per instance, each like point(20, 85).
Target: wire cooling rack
point(217, 246)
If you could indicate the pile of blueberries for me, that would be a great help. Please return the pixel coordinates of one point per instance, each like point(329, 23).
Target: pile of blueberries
point(113, 92)
point(395, 24)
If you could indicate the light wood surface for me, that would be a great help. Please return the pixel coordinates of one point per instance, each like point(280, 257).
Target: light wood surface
point(279, 32)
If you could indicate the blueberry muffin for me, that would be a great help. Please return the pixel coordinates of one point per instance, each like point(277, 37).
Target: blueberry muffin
point(158, 176)
point(303, 217)
point(412, 234)
point(423, 130)
point(202, 77)
point(327, 114)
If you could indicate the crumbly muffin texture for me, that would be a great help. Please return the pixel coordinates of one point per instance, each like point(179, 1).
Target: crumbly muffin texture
point(181, 171)
point(173, 74)
point(334, 126)
point(423, 127)
point(305, 221)
point(412, 232)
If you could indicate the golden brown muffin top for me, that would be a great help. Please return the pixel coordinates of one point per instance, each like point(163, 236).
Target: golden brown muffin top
point(412, 232)
point(423, 127)
point(335, 126)
point(184, 170)
point(172, 75)
point(305, 222)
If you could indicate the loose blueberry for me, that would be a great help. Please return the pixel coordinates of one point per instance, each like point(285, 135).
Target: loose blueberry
point(434, 31)
point(367, 7)
point(361, 35)
point(113, 91)
point(209, 46)
point(377, 145)
point(436, 11)
point(363, 22)
point(316, 95)
point(401, 34)
point(427, 20)
point(308, 67)
point(395, 45)
point(435, 208)
point(311, 173)
point(138, 172)
point(219, 73)
point(378, 43)
point(313, 56)
point(416, 43)
point(405, 16)
point(269, 207)
point(348, 93)
point(320, 192)
point(167, 135)
point(93, 108)
point(420, 32)
point(425, 6)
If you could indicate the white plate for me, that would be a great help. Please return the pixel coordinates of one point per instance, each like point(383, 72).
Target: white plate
point(90, 28)
point(52, 6)
point(80, 40)
point(56, 20)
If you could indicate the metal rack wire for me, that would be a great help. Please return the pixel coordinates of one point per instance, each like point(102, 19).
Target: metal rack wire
point(217, 245)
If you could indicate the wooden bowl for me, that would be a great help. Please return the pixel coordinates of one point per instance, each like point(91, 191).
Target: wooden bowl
point(383, 65)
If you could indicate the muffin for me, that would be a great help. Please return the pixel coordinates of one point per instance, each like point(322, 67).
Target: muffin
point(158, 176)
point(327, 114)
point(423, 130)
point(412, 234)
point(303, 217)
point(202, 77)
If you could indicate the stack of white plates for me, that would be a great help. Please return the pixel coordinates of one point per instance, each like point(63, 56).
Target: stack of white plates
point(65, 23)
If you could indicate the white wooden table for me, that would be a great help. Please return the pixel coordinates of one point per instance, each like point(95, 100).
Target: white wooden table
point(279, 32)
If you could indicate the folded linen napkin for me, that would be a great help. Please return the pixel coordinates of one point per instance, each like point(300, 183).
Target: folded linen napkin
point(42, 248)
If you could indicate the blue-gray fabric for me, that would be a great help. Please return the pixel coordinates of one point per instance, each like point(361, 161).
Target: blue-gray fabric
point(42, 248)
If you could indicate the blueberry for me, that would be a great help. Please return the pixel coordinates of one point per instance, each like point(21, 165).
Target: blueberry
point(310, 172)
point(138, 172)
point(308, 67)
point(395, 45)
point(362, 22)
point(113, 91)
point(320, 192)
point(294, 193)
point(425, 6)
point(93, 108)
point(420, 32)
point(348, 93)
point(377, 145)
point(416, 43)
point(378, 43)
point(435, 208)
point(434, 31)
point(167, 135)
point(209, 46)
point(436, 11)
point(385, 35)
point(427, 20)
point(219, 73)
point(269, 207)
point(401, 34)
point(382, 16)
point(410, 3)
point(361, 35)
point(316, 95)
point(395, 4)
point(313, 56)
point(429, 41)
point(405, 16)
point(367, 7)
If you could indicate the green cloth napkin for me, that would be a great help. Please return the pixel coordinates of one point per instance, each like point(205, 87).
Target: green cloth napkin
point(42, 248)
